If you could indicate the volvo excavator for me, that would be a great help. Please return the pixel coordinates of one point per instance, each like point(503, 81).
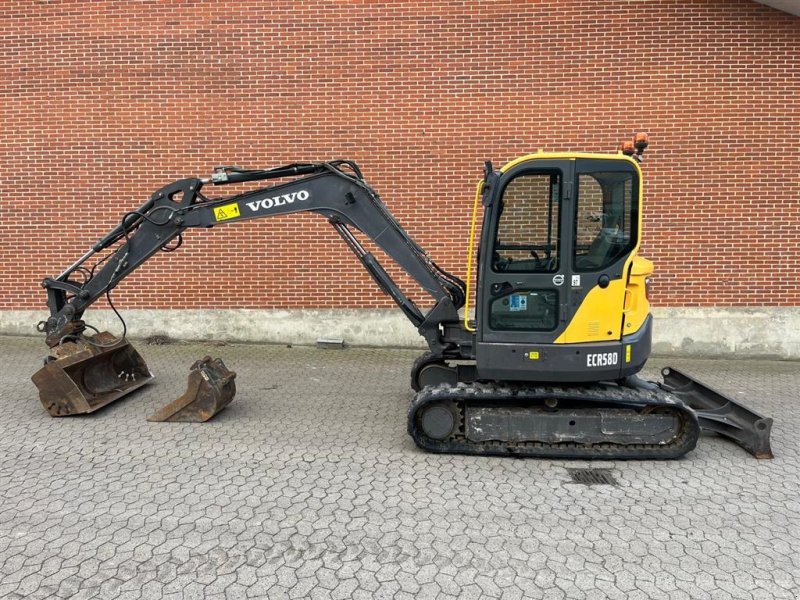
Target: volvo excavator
point(545, 367)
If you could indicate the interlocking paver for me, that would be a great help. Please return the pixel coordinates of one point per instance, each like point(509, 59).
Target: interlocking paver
point(308, 486)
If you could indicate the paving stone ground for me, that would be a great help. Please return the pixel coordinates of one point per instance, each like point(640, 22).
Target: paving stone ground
point(307, 486)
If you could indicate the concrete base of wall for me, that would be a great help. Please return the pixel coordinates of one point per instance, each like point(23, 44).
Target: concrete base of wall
point(703, 332)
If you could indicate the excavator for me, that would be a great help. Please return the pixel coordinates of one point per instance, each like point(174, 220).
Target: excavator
point(545, 366)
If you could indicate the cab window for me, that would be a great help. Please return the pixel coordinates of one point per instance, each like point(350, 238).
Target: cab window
point(606, 219)
point(528, 234)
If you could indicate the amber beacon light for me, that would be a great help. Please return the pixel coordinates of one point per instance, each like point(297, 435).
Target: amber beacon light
point(635, 147)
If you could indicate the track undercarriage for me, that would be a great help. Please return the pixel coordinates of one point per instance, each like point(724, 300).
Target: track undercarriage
point(599, 421)
point(629, 419)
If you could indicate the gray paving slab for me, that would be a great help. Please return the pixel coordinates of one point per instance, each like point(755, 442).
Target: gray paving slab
point(307, 486)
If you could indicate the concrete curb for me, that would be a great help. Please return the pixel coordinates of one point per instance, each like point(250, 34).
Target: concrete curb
point(772, 332)
point(769, 332)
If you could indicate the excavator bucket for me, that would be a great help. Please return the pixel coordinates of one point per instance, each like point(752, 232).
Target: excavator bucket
point(80, 377)
point(211, 388)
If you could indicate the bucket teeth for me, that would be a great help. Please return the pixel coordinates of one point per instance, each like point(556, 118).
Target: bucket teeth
point(81, 377)
point(211, 388)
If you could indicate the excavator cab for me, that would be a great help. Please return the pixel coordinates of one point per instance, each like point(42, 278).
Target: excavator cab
point(559, 284)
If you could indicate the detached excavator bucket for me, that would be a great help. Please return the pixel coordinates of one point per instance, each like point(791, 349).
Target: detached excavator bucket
point(211, 388)
point(81, 377)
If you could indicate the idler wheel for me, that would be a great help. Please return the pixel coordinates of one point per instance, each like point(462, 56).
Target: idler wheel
point(438, 422)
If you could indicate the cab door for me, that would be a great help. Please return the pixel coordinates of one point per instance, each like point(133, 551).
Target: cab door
point(605, 234)
point(523, 291)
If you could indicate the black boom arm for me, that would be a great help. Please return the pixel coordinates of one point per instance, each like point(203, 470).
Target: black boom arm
point(335, 190)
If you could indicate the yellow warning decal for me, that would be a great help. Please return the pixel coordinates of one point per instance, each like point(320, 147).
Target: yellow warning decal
point(229, 211)
point(628, 353)
point(533, 355)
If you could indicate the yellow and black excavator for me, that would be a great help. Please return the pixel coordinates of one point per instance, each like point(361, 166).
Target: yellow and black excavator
point(547, 365)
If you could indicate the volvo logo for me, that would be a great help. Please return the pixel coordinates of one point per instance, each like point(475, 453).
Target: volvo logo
point(268, 203)
point(558, 279)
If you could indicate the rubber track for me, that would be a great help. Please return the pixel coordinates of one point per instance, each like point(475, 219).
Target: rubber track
point(596, 396)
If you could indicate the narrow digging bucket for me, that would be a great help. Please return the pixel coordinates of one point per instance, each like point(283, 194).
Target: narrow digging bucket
point(81, 378)
point(211, 388)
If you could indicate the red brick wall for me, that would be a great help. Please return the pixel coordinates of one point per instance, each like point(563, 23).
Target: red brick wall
point(103, 102)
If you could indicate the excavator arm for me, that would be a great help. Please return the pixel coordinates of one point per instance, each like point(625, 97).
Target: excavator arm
point(335, 190)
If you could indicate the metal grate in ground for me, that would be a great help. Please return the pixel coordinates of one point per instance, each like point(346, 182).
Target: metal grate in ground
point(592, 476)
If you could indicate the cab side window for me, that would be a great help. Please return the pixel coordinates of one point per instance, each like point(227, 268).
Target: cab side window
point(606, 219)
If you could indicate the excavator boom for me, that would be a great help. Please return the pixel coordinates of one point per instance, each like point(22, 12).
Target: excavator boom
point(84, 373)
point(345, 199)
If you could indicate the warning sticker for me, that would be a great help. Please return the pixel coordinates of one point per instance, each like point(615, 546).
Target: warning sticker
point(229, 211)
point(517, 303)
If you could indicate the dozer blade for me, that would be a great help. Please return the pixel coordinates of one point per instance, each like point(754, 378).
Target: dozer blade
point(722, 414)
point(80, 377)
point(211, 388)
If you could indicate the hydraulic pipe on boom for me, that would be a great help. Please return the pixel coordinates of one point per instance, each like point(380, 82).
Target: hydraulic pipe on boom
point(345, 199)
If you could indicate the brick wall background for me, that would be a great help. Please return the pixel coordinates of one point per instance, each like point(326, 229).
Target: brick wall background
point(103, 102)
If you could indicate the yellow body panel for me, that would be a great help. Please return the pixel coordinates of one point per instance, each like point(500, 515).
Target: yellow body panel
point(603, 311)
point(599, 317)
point(637, 306)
